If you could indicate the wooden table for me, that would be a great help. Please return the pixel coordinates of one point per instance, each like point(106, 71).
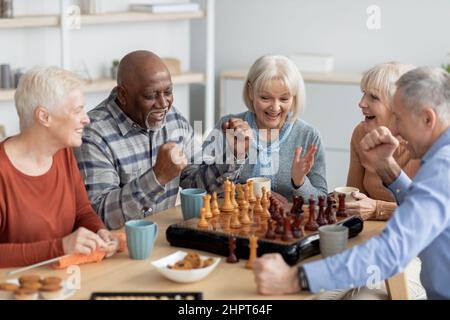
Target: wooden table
point(227, 281)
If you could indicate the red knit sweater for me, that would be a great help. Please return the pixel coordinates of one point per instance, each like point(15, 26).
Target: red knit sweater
point(36, 212)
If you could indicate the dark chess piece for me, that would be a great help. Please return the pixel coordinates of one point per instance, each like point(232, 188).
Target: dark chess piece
point(321, 219)
point(287, 235)
point(297, 231)
point(297, 206)
point(329, 213)
point(279, 228)
point(232, 247)
point(341, 207)
point(271, 206)
point(270, 233)
point(312, 225)
point(282, 212)
point(276, 208)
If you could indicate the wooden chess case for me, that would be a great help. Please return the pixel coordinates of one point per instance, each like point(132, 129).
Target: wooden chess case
point(187, 235)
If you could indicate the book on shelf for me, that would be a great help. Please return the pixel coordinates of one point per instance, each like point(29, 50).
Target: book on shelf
point(313, 62)
point(166, 7)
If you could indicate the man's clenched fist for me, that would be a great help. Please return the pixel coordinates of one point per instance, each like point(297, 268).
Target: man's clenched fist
point(170, 161)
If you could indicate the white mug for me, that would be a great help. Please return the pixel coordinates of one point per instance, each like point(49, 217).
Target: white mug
point(347, 191)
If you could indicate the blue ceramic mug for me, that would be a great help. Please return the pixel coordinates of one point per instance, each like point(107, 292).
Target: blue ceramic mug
point(141, 236)
point(191, 202)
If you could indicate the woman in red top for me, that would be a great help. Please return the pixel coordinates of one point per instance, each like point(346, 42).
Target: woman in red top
point(44, 208)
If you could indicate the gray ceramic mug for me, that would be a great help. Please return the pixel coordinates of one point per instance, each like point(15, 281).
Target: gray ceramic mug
point(333, 239)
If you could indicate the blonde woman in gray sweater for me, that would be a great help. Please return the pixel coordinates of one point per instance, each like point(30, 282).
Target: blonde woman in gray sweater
point(282, 147)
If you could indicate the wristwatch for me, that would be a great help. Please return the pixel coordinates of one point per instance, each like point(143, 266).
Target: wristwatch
point(302, 279)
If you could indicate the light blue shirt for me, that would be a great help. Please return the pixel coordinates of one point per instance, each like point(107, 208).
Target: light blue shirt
point(419, 227)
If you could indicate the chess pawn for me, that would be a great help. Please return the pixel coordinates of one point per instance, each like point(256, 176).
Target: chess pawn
point(258, 209)
point(215, 205)
point(246, 197)
point(312, 225)
point(268, 194)
point(341, 207)
point(251, 192)
point(263, 194)
point(241, 195)
point(245, 219)
point(227, 205)
point(281, 212)
point(280, 225)
point(321, 219)
point(253, 243)
point(329, 213)
point(270, 233)
point(287, 235)
point(297, 231)
point(226, 221)
point(275, 212)
point(245, 188)
point(250, 210)
point(202, 223)
point(235, 224)
point(207, 206)
point(233, 196)
point(232, 247)
point(265, 204)
point(273, 208)
point(264, 197)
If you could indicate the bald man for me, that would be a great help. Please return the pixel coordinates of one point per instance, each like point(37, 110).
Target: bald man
point(135, 147)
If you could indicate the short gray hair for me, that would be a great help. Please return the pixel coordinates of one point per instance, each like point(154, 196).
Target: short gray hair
point(43, 87)
point(276, 67)
point(380, 80)
point(427, 86)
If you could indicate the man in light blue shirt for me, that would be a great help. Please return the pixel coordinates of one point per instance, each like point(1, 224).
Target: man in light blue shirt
point(421, 223)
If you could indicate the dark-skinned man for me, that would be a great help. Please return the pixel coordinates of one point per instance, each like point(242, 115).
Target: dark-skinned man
point(135, 147)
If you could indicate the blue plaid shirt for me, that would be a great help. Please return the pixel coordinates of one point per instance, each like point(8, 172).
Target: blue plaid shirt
point(116, 162)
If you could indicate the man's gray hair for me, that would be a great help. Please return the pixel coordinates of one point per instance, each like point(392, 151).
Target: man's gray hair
point(427, 87)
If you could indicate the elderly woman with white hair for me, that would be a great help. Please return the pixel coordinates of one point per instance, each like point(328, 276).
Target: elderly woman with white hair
point(282, 147)
point(44, 208)
point(374, 201)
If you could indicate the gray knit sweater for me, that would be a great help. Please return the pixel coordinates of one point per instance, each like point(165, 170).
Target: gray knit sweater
point(301, 134)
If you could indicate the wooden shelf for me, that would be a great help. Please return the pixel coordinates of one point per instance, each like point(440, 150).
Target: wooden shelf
point(116, 17)
point(352, 78)
point(29, 22)
point(138, 17)
point(101, 85)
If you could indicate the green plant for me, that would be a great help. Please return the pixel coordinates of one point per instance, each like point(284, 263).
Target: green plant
point(115, 63)
point(446, 67)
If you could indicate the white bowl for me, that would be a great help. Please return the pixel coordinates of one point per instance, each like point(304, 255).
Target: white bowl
point(183, 276)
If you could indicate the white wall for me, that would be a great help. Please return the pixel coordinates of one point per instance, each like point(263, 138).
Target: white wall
point(413, 31)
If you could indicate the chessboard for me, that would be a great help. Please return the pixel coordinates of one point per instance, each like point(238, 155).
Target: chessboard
point(287, 228)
